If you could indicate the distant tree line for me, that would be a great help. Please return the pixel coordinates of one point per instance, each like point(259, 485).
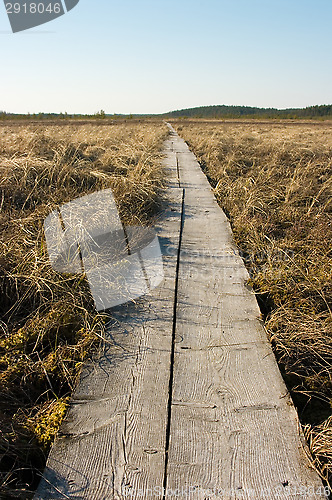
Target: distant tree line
point(311, 112)
point(323, 111)
point(99, 115)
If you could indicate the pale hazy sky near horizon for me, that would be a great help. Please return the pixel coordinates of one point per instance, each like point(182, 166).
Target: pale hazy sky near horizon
point(153, 56)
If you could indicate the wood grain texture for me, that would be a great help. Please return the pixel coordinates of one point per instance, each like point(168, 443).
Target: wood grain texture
point(234, 432)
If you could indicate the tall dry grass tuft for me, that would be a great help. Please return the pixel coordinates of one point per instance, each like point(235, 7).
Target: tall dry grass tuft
point(48, 324)
point(274, 181)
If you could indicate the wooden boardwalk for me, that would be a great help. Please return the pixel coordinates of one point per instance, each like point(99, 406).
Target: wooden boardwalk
point(186, 399)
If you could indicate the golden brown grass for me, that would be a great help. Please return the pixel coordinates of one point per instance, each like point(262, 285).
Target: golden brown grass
point(47, 321)
point(274, 181)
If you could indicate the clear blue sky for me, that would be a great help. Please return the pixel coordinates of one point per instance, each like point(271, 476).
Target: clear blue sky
point(152, 56)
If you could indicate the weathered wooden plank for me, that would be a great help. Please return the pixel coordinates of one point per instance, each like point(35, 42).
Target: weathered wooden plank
point(234, 432)
point(170, 162)
point(112, 442)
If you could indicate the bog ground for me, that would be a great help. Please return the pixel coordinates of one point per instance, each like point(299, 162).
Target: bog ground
point(186, 395)
point(273, 181)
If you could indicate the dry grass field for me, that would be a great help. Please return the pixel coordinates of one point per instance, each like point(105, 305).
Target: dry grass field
point(48, 324)
point(274, 181)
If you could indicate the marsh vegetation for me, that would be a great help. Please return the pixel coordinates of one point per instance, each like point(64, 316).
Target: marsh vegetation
point(48, 323)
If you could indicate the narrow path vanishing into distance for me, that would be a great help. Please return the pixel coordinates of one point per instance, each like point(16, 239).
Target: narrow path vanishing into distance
point(185, 399)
